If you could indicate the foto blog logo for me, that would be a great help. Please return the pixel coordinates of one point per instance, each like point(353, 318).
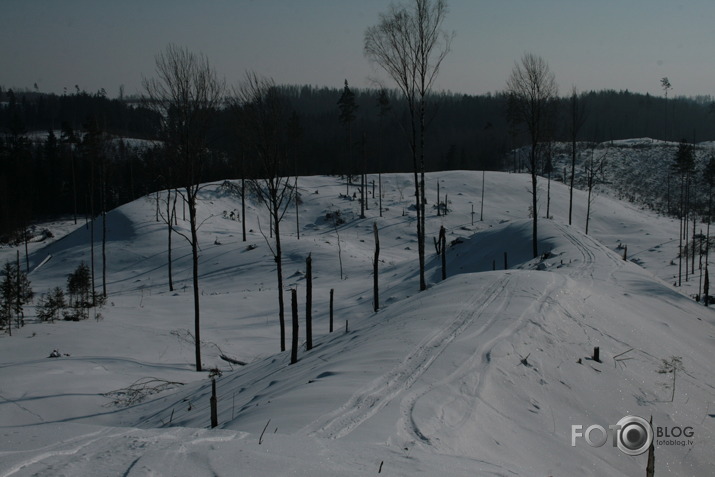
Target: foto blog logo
point(632, 435)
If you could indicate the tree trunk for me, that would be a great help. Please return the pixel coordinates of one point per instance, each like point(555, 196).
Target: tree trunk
point(104, 229)
point(379, 190)
point(18, 294)
point(534, 242)
point(362, 193)
point(294, 342)
point(692, 246)
point(104, 253)
point(686, 217)
point(74, 185)
point(297, 214)
point(423, 198)
point(171, 215)
point(420, 244)
point(707, 234)
point(481, 212)
point(375, 263)
point(279, 272)
point(309, 303)
point(680, 233)
point(438, 202)
point(548, 197)
point(91, 239)
point(588, 205)
point(243, 206)
point(573, 173)
point(443, 250)
point(191, 193)
point(214, 404)
point(332, 295)
point(27, 254)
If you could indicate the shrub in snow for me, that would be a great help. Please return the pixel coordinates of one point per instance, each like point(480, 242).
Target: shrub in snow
point(51, 305)
point(79, 287)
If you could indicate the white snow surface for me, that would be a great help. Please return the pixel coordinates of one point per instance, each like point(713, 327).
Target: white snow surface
point(481, 374)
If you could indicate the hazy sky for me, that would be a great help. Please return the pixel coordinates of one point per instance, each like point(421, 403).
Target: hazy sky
point(590, 44)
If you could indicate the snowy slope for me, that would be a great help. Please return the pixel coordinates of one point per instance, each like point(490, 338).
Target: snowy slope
point(479, 375)
point(638, 171)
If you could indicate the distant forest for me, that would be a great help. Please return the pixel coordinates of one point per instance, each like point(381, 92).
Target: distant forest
point(46, 175)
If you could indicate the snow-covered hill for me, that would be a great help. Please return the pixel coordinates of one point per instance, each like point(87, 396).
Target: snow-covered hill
point(482, 374)
point(637, 170)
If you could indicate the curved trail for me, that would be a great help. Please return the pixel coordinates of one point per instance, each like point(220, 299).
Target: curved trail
point(367, 402)
point(499, 324)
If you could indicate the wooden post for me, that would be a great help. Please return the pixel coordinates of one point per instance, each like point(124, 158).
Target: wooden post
point(625, 253)
point(443, 250)
point(597, 354)
point(363, 195)
point(379, 190)
point(294, 308)
point(297, 212)
point(375, 292)
point(706, 286)
point(438, 204)
point(309, 303)
point(481, 214)
point(331, 309)
point(494, 264)
point(19, 319)
point(346, 326)
point(506, 264)
point(214, 404)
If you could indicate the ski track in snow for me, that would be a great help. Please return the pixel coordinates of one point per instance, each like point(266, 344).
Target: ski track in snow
point(118, 452)
point(497, 326)
point(367, 402)
point(62, 449)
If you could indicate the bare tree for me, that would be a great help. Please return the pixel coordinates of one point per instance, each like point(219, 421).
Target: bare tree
point(532, 90)
point(375, 270)
point(409, 44)
point(94, 148)
point(186, 91)
point(665, 84)
point(265, 123)
point(684, 166)
point(594, 175)
point(577, 117)
point(169, 218)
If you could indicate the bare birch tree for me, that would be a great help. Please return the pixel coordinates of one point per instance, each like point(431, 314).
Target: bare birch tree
point(409, 44)
point(532, 89)
point(186, 91)
point(265, 122)
point(595, 167)
point(577, 117)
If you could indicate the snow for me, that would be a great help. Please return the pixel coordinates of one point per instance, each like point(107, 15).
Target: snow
point(482, 374)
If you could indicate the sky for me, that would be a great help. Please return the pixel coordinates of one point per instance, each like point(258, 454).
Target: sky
point(590, 45)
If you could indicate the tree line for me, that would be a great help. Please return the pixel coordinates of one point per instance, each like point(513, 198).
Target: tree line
point(46, 175)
